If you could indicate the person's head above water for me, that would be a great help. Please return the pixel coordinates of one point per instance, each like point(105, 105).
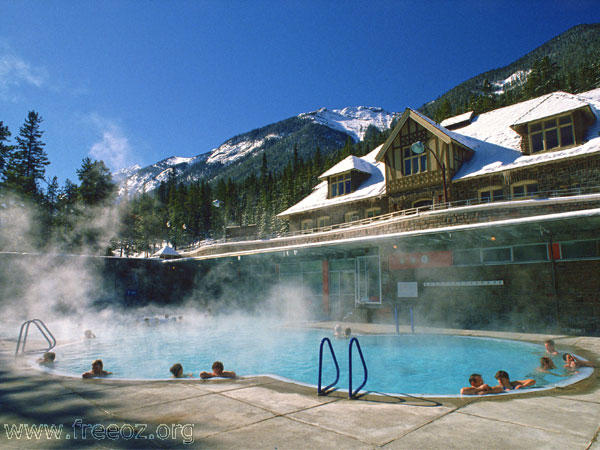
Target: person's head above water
point(177, 370)
point(501, 374)
point(546, 363)
point(217, 367)
point(475, 380)
point(97, 365)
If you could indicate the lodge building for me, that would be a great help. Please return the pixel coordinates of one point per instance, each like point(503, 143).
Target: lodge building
point(480, 221)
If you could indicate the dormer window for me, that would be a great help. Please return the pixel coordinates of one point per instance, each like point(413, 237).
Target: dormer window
point(340, 185)
point(551, 134)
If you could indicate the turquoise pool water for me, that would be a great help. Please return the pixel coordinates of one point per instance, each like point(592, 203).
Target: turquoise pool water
point(415, 364)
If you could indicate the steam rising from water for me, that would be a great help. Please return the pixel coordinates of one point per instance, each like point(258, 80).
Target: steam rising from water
point(73, 293)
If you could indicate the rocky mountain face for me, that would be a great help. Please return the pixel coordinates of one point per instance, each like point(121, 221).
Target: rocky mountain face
point(326, 129)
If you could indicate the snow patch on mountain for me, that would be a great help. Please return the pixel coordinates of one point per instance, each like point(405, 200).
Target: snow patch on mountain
point(234, 149)
point(516, 79)
point(353, 120)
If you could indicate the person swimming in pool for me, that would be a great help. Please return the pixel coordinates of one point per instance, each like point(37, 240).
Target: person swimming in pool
point(549, 345)
point(97, 370)
point(47, 359)
point(546, 364)
point(217, 371)
point(177, 371)
point(478, 387)
point(572, 362)
point(337, 331)
point(505, 383)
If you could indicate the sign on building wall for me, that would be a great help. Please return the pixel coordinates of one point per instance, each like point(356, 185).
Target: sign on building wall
point(401, 260)
point(408, 289)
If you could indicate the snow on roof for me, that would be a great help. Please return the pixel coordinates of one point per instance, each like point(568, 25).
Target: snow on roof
point(349, 163)
point(550, 105)
point(457, 119)
point(373, 186)
point(166, 251)
point(498, 147)
point(458, 137)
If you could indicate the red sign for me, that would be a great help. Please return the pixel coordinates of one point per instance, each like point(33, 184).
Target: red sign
point(401, 261)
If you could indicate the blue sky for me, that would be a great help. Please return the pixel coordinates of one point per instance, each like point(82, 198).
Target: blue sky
point(138, 81)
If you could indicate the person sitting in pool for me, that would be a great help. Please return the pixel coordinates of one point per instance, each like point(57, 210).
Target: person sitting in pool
point(177, 371)
point(546, 364)
point(218, 371)
point(505, 383)
point(572, 362)
point(347, 332)
point(478, 387)
point(549, 344)
point(97, 370)
point(337, 331)
point(47, 359)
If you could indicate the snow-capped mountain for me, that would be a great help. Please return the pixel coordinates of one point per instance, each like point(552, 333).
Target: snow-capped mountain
point(325, 128)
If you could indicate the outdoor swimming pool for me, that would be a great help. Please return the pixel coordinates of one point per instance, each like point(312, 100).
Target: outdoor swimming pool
point(426, 364)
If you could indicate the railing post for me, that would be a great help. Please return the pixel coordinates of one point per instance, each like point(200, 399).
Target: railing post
point(326, 390)
point(352, 394)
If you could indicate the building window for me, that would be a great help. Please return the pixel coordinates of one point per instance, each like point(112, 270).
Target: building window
point(340, 184)
point(372, 212)
point(533, 252)
point(496, 255)
point(526, 189)
point(492, 194)
point(551, 133)
point(323, 221)
point(306, 224)
point(351, 216)
point(421, 203)
point(467, 257)
point(413, 163)
point(580, 249)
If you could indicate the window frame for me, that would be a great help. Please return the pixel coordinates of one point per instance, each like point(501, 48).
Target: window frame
point(350, 215)
point(326, 219)
point(491, 190)
point(421, 159)
point(525, 184)
point(343, 181)
point(375, 209)
point(545, 129)
point(303, 222)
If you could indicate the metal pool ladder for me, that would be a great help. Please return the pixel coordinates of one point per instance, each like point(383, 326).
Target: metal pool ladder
point(327, 389)
point(352, 394)
point(43, 329)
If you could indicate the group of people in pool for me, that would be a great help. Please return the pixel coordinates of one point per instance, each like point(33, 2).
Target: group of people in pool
point(339, 334)
point(218, 370)
point(479, 387)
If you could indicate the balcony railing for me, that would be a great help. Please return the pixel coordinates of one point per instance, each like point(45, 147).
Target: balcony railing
point(541, 195)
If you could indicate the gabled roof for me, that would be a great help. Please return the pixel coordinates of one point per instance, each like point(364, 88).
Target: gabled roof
point(345, 165)
point(444, 134)
point(551, 105)
point(374, 186)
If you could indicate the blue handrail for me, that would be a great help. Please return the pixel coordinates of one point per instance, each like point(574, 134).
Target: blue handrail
point(326, 390)
point(43, 329)
point(352, 394)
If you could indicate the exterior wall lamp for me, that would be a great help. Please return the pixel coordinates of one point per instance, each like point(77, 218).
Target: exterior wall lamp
point(418, 148)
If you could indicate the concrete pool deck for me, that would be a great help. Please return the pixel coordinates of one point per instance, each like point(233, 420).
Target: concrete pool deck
point(262, 412)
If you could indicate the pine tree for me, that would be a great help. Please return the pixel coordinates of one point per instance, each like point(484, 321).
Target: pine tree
point(96, 185)
point(5, 149)
point(27, 162)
